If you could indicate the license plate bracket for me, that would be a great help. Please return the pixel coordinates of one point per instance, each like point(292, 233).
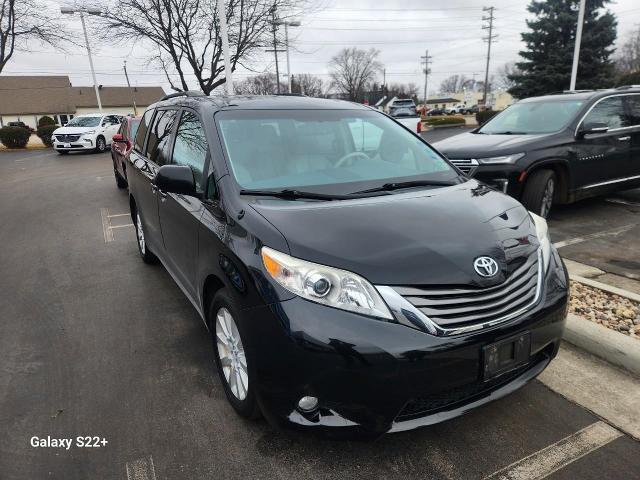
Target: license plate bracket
point(506, 355)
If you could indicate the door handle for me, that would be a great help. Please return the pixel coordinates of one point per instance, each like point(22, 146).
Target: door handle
point(625, 139)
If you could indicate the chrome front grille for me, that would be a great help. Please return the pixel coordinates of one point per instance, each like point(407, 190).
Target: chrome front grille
point(467, 165)
point(67, 138)
point(459, 308)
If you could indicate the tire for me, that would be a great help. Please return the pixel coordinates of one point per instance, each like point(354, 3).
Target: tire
point(228, 333)
point(146, 254)
point(101, 144)
point(539, 192)
point(120, 182)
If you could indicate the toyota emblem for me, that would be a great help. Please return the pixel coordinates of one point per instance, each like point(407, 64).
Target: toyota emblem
point(485, 266)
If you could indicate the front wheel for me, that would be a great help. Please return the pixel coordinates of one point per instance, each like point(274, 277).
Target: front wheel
point(234, 361)
point(101, 145)
point(539, 192)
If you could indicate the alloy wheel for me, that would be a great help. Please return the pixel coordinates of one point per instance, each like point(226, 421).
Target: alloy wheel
point(100, 143)
point(231, 354)
point(140, 233)
point(547, 198)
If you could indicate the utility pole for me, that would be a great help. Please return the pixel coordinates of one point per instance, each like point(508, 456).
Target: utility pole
point(275, 47)
point(224, 33)
point(133, 95)
point(489, 39)
point(426, 60)
point(576, 48)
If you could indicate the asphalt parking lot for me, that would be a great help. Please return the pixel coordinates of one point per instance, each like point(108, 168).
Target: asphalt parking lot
point(94, 342)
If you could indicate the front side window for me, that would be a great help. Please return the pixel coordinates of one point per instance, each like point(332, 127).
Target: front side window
point(142, 131)
point(609, 111)
point(190, 147)
point(335, 151)
point(546, 116)
point(159, 136)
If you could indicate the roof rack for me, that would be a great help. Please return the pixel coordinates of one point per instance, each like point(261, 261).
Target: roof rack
point(188, 93)
point(625, 87)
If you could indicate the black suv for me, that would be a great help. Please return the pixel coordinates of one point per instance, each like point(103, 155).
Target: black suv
point(556, 148)
point(352, 279)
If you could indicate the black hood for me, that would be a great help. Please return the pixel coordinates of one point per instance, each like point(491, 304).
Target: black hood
point(477, 145)
point(424, 237)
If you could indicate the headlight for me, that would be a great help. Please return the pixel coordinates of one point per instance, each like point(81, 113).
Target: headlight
point(326, 285)
point(542, 231)
point(504, 159)
point(89, 132)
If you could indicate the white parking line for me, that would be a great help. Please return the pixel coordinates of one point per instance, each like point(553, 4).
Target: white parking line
point(106, 225)
point(622, 202)
point(119, 215)
point(141, 469)
point(544, 462)
point(606, 233)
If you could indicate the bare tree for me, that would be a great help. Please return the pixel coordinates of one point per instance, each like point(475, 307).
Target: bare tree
point(186, 34)
point(628, 57)
point(402, 90)
point(352, 69)
point(22, 21)
point(505, 73)
point(454, 83)
point(263, 84)
point(308, 84)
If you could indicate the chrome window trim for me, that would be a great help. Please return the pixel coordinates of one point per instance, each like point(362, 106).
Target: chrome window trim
point(403, 309)
point(575, 133)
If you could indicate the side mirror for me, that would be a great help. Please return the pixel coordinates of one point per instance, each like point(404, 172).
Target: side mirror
point(176, 179)
point(593, 127)
point(118, 138)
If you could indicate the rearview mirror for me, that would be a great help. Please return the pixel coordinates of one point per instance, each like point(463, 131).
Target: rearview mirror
point(176, 179)
point(593, 127)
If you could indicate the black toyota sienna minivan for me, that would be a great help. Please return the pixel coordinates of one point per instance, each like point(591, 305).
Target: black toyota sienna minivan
point(352, 279)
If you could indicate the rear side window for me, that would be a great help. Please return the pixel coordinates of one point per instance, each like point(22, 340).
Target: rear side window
point(160, 136)
point(190, 147)
point(142, 131)
point(634, 109)
point(609, 111)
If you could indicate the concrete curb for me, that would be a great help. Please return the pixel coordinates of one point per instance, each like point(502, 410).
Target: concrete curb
point(607, 288)
point(612, 346)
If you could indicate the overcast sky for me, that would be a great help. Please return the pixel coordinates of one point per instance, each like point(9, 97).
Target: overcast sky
point(401, 29)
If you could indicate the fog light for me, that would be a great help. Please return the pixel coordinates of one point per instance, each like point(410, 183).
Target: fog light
point(308, 404)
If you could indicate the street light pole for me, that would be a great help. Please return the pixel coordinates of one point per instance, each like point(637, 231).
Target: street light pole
point(133, 95)
point(228, 74)
point(82, 11)
point(576, 47)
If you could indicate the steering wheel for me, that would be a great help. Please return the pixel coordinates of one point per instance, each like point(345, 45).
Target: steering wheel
point(350, 157)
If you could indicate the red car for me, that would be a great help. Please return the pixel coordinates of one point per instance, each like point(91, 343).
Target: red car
point(121, 146)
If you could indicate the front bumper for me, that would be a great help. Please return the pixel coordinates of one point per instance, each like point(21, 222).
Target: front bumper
point(504, 178)
point(80, 144)
point(373, 376)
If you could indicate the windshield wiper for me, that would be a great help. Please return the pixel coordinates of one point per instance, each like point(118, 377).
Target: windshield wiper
point(508, 132)
point(289, 194)
point(413, 183)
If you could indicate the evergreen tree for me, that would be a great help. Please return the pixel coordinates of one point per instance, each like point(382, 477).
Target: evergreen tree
point(549, 55)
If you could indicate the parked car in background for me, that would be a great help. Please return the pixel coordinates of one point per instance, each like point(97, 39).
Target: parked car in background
point(436, 111)
point(86, 132)
point(282, 244)
point(472, 110)
point(555, 148)
point(459, 108)
point(413, 123)
point(402, 107)
point(21, 125)
point(121, 145)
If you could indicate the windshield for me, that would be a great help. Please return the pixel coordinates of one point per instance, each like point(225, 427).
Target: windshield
point(533, 117)
point(135, 123)
point(334, 151)
point(84, 122)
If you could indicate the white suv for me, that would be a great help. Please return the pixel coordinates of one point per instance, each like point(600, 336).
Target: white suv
point(86, 132)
